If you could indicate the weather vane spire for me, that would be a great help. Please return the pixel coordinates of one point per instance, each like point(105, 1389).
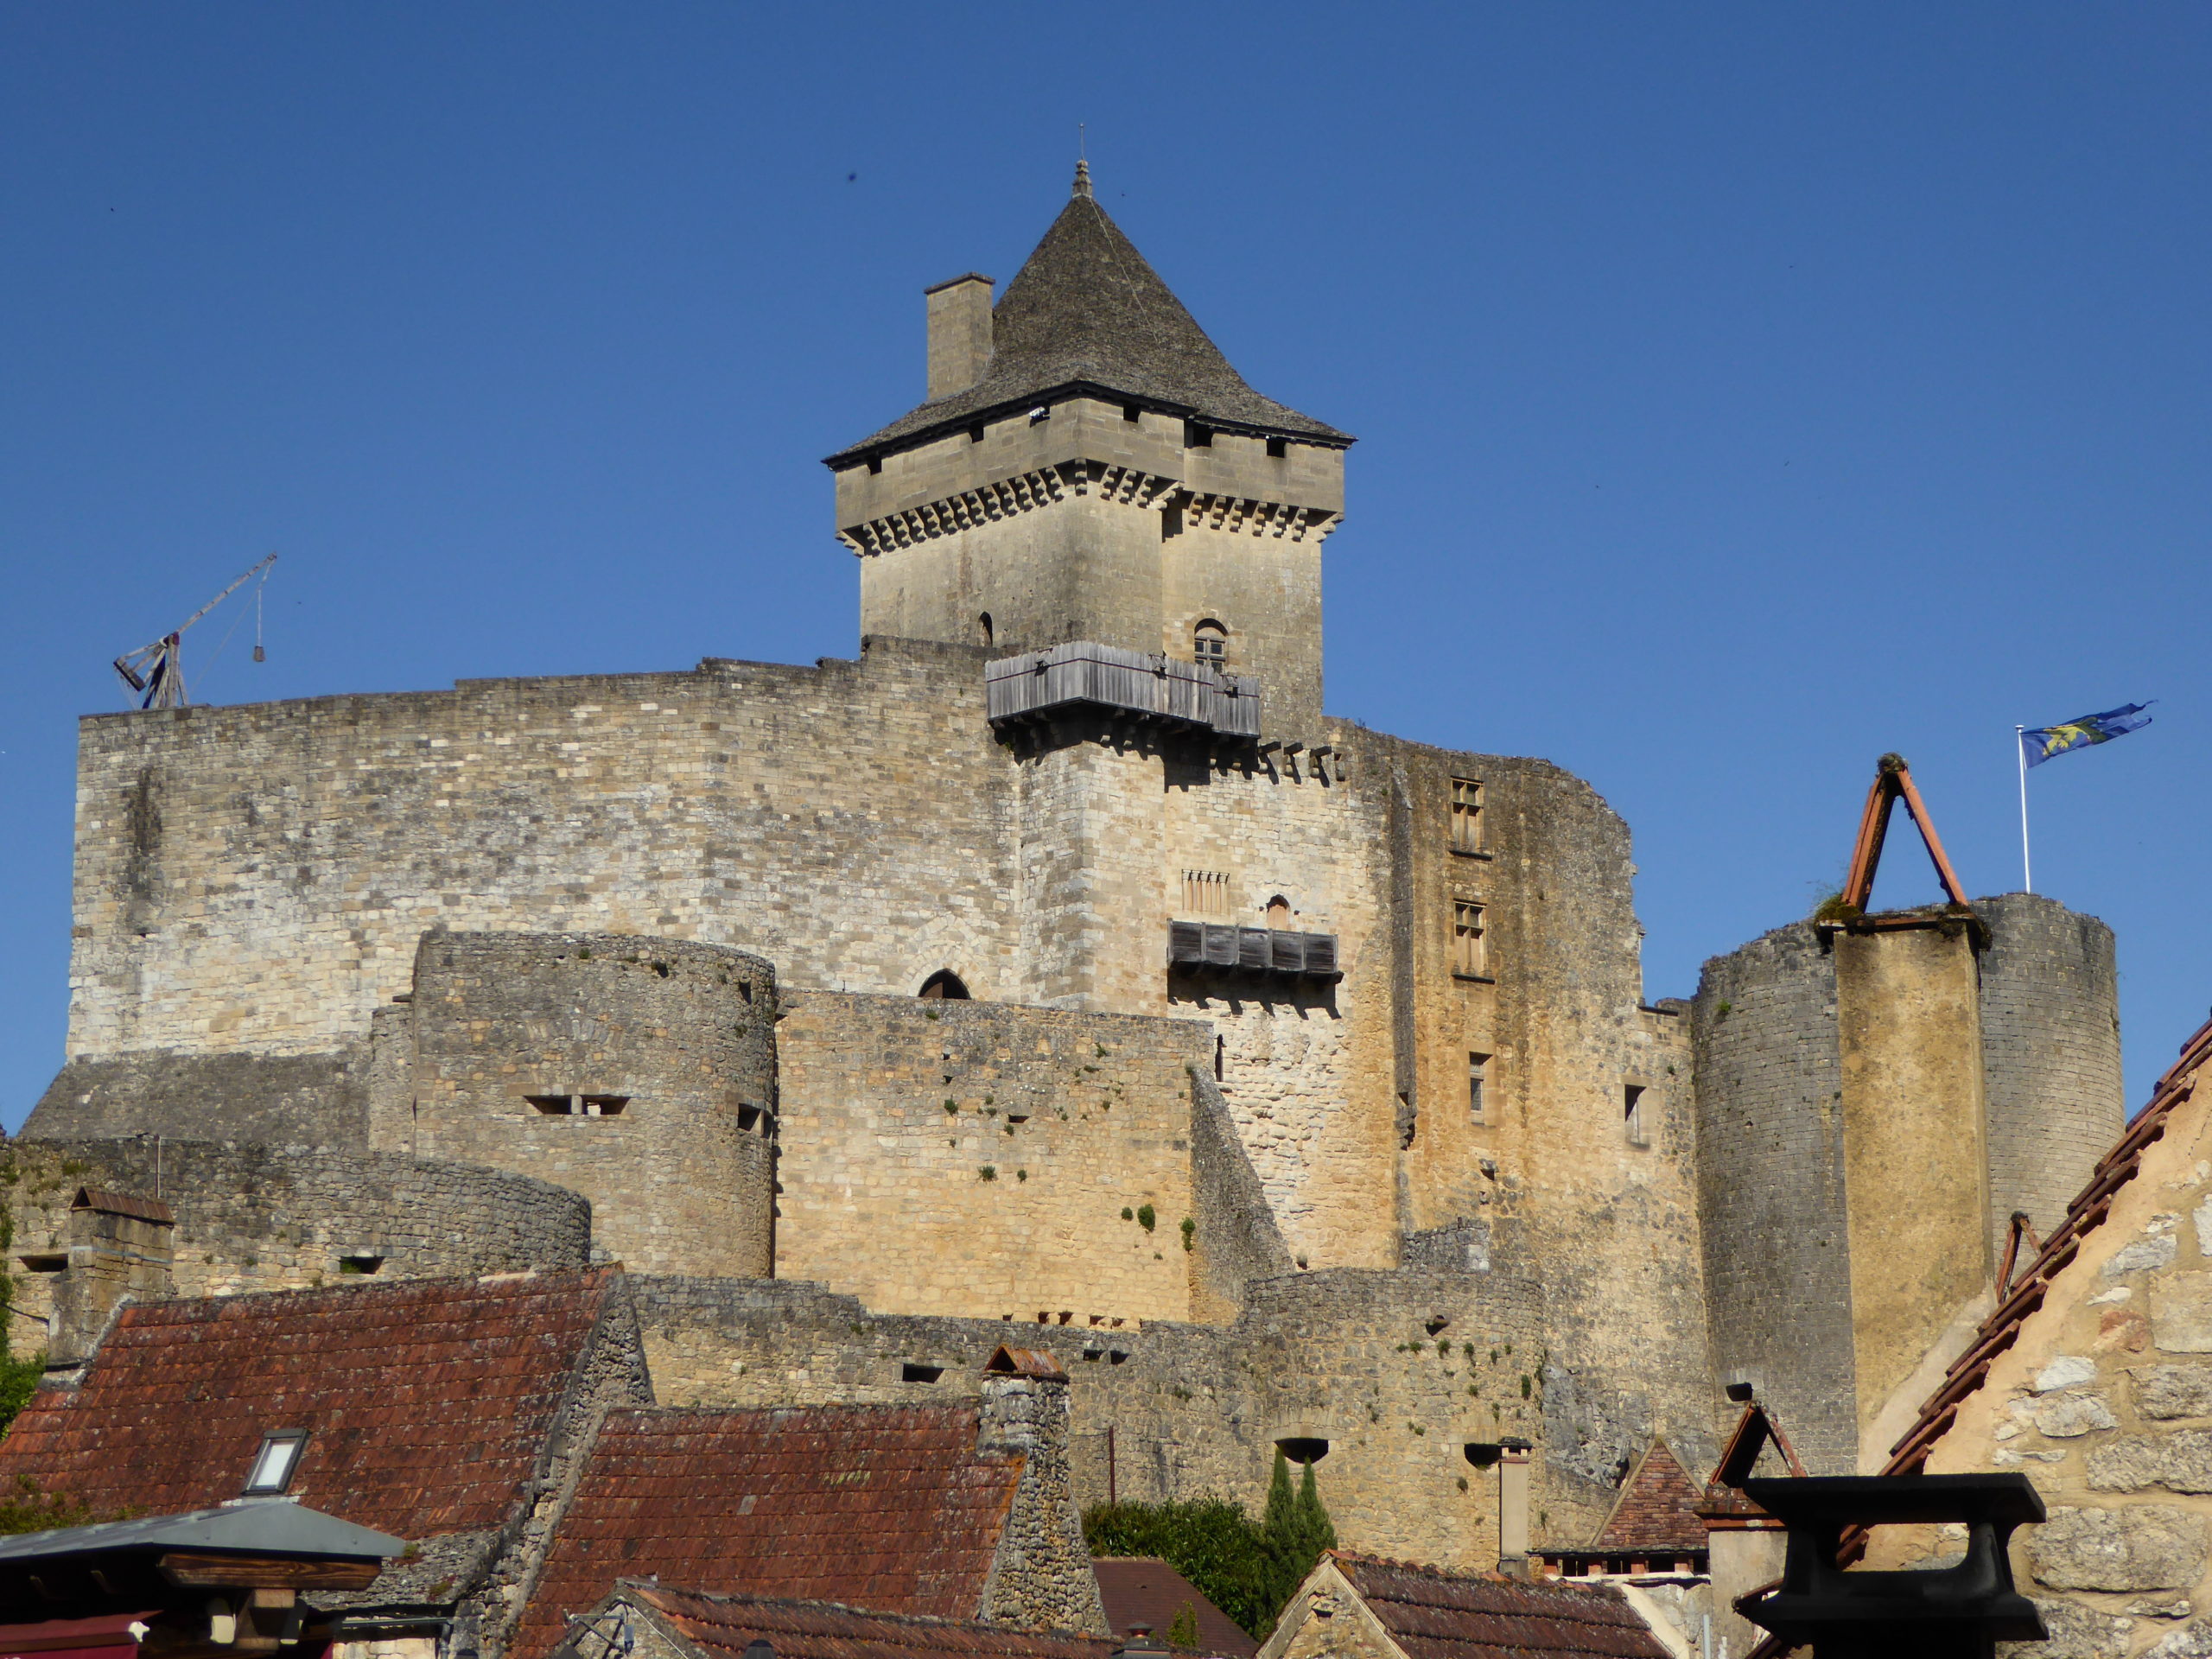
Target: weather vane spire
point(1081, 162)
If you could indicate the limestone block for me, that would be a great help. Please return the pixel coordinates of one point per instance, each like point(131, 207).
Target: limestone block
point(2192, 1641)
point(2148, 1254)
point(2143, 1547)
point(2203, 1219)
point(2067, 1371)
point(2181, 1313)
point(2180, 1463)
point(2163, 1391)
point(2076, 1632)
point(2070, 1414)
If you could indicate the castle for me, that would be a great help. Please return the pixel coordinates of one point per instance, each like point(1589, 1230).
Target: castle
point(1057, 962)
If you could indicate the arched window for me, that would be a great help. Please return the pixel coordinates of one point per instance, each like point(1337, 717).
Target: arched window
point(944, 986)
point(1210, 643)
point(983, 628)
point(1278, 912)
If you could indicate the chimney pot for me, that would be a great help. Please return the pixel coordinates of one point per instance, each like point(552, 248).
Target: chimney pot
point(960, 333)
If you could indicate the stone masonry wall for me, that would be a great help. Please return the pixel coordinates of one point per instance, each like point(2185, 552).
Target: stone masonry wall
point(254, 1218)
point(1770, 1166)
point(1346, 1355)
point(667, 1047)
point(2104, 1400)
point(287, 1099)
point(2051, 1051)
point(986, 1158)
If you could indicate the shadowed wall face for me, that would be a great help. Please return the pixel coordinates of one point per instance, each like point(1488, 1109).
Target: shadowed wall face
point(1915, 1143)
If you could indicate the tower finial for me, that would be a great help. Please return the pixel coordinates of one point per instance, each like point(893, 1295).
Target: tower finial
point(1082, 179)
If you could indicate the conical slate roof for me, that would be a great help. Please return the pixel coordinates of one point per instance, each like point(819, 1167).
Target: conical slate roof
point(1086, 309)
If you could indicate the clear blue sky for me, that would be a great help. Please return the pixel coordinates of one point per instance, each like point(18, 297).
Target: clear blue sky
point(1743, 390)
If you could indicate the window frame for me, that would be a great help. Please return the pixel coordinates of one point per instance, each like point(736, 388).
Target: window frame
point(292, 1444)
point(1467, 825)
point(1470, 940)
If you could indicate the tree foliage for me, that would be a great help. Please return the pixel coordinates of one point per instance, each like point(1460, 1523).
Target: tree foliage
point(1248, 1569)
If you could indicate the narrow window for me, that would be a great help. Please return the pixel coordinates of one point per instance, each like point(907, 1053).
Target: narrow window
point(975, 433)
point(1210, 644)
point(875, 463)
point(1632, 1114)
point(1278, 912)
point(911, 1372)
point(1220, 1056)
point(1277, 448)
point(273, 1464)
point(1466, 816)
point(1477, 1069)
point(553, 1105)
point(1196, 435)
point(984, 628)
point(56, 1262)
point(1470, 957)
point(1205, 892)
point(944, 986)
point(1130, 412)
point(605, 1105)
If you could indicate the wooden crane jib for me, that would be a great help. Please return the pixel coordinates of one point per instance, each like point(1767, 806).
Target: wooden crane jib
point(1893, 782)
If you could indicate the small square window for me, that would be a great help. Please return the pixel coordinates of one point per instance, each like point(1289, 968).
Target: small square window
point(1277, 448)
point(273, 1464)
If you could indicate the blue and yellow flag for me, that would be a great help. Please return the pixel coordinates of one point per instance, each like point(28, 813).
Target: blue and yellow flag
point(2039, 743)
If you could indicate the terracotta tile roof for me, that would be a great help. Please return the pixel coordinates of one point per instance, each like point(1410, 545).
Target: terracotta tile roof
point(124, 1203)
point(890, 1508)
point(1138, 1590)
point(1432, 1614)
point(1657, 1510)
point(427, 1402)
point(721, 1625)
point(2024, 1294)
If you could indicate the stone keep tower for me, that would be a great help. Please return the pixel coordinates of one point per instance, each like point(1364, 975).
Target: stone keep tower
point(1088, 467)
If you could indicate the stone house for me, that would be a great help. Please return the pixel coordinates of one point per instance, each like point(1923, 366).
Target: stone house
point(1369, 1608)
point(503, 1427)
point(2092, 1377)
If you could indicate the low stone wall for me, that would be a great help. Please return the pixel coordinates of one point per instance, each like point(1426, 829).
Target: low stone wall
point(1347, 1356)
point(256, 1218)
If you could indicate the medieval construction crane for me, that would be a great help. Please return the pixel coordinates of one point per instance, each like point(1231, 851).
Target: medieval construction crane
point(157, 671)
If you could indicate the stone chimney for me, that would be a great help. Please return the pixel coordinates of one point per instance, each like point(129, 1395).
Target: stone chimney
point(1513, 1508)
point(1041, 1578)
point(960, 333)
point(120, 1247)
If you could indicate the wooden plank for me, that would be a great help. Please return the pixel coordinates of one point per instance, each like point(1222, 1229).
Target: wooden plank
point(195, 1570)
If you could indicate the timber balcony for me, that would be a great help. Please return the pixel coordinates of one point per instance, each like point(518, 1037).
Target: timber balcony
point(1223, 948)
point(1148, 684)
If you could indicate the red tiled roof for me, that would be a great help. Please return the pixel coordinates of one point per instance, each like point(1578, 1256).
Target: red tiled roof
point(1432, 1614)
point(1657, 1510)
point(427, 1402)
point(2025, 1292)
point(889, 1507)
point(721, 1625)
point(1138, 1590)
point(124, 1203)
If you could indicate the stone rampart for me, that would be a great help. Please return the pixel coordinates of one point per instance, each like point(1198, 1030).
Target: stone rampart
point(260, 1217)
point(2051, 1051)
point(989, 1158)
point(640, 1072)
point(292, 1100)
point(1770, 1106)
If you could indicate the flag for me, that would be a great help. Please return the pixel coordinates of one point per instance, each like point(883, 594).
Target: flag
point(2039, 743)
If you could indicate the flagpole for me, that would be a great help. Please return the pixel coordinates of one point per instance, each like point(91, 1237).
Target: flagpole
point(2020, 753)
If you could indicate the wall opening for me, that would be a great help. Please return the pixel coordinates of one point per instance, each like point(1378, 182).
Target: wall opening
point(1196, 435)
point(984, 631)
point(1466, 815)
point(911, 1372)
point(56, 1262)
point(1302, 1448)
point(1210, 643)
point(1130, 412)
point(1277, 448)
point(1477, 1076)
point(975, 433)
point(944, 986)
point(363, 1265)
point(1469, 949)
point(553, 1105)
point(1220, 1055)
point(1632, 1114)
point(1278, 912)
point(605, 1105)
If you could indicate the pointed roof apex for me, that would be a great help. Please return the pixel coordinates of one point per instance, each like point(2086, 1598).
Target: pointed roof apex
point(1086, 310)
